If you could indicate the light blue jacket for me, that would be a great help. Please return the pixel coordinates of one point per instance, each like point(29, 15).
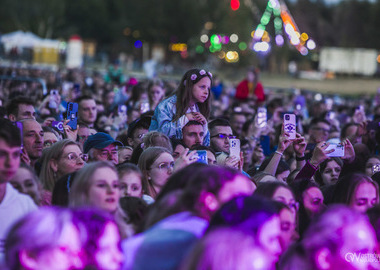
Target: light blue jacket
point(162, 120)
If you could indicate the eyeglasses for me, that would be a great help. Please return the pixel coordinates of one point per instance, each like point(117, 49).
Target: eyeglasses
point(140, 136)
point(224, 136)
point(105, 154)
point(165, 165)
point(321, 129)
point(74, 157)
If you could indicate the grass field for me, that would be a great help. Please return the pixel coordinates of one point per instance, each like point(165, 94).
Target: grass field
point(343, 86)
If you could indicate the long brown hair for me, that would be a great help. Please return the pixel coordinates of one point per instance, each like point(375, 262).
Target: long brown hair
point(184, 93)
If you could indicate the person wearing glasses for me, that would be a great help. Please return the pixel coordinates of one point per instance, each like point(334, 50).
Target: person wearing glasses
point(102, 147)
point(220, 133)
point(157, 164)
point(61, 158)
point(319, 131)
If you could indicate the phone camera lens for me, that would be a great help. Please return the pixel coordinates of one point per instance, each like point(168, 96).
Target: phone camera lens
point(287, 117)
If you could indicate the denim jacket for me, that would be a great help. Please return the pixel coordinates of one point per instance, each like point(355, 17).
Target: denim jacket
point(162, 120)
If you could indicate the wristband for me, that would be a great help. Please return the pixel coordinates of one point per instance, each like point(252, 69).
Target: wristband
point(300, 158)
point(281, 154)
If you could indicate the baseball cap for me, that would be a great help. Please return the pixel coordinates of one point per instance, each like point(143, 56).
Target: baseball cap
point(99, 140)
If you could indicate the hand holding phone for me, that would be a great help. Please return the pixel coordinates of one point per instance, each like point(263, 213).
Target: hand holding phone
point(338, 150)
point(72, 115)
point(290, 125)
point(201, 156)
point(234, 147)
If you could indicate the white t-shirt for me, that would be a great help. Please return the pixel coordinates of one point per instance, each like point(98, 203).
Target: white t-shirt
point(13, 207)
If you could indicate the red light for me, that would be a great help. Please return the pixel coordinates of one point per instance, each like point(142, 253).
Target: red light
point(235, 4)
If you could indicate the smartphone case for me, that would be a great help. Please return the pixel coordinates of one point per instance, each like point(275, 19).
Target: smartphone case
point(234, 147)
point(290, 125)
point(72, 114)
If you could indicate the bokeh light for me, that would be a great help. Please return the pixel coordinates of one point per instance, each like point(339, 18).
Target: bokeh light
point(234, 38)
point(138, 44)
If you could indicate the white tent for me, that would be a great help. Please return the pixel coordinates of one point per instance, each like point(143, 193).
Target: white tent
point(20, 39)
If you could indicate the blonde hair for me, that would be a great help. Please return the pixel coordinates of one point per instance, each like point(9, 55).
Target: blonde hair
point(47, 175)
point(79, 193)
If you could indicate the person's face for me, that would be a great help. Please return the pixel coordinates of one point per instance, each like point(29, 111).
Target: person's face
point(320, 132)
point(201, 90)
point(49, 139)
point(193, 135)
point(283, 176)
point(87, 111)
point(138, 136)
point(33, 139)
point(178, 151)
point(240, 185)
point(124, 154)
point(9, 161)
point(370, 163)
point(65, 256)
point(70, 160)
point(156, 93)
point(288, 228)
point(247, 153)
point(364, 197)
point(108, 255)
point(237, 122)
point(131, 185)
point(313, 200)
point(101, 123)
point(285, 196)
point(110, 98)
point(269, 236)
point(25, 112)
point(358, 238)
point(104, 191)
point(107, 153)
point(350, 131)
point(218, 143)
point(83, 134)
point(250, 76)
point(161, 169)
point(25, 183)
point(211, 160)
point(331, 173)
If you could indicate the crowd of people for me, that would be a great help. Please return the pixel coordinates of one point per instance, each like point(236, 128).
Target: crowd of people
point(148, 176)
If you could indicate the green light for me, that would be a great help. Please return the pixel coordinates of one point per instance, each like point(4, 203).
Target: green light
point(199, 49)
point(277, 12)
point(260, 26)
point(218, 47)
point(214, 39)
point(243, 46)
point(264, 20)
point(212, 49)
point(277, 23)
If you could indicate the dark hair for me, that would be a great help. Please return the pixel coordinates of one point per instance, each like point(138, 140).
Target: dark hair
point(184, 94)
point(246, 213)
point(282, 165)
point(84, 97)
point(219, 122)
point(179, 179)
point(203, 147)
point(136, 209)
point(317, 120)
point(60, 195)
point(192, 123)
point(318, 174)
point(139, 123)
point(12, 106)
point(267, 189)
point(344, 129)
point(346, 186)
point(9, 133)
